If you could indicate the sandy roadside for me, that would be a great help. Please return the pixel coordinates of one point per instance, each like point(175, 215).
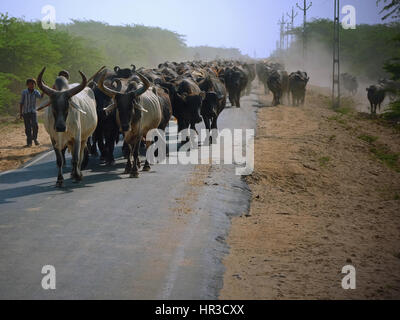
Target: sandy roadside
point(321, 200)
point(13, 154)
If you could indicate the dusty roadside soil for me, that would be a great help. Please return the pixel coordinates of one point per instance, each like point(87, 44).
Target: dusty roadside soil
point(321, 200)
point(13, 154)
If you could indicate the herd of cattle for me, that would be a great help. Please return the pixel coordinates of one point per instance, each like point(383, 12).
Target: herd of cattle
point(281, 84)
point(93, 114)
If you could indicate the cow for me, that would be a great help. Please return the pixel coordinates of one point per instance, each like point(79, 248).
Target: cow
point(186, 99)
point(392, 88)
point(138, 112)
point(251, 69)
point(276, 86)
point(214, 102)
point(106, 134)
point(349, 83)
point(166, 106)
point(376, 95)
point(70, 120)
point(297, 85)
point(236, 80)
point(285, 85)
point(263, 72)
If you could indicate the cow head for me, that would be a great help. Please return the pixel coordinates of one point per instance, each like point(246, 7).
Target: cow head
point(372, 89)
point(127, 103)
point(61, 98)
point(210, 104)
point(193, 103)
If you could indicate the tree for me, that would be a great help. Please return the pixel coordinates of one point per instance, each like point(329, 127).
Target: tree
point(392, 9)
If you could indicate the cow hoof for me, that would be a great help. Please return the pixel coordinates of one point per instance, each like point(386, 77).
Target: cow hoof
point(110, 163)
point(146, 168)
point(77, 177)
point(60, 184)
point(134, 175)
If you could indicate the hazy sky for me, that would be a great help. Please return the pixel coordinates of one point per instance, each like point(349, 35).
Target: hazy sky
point(250, 25)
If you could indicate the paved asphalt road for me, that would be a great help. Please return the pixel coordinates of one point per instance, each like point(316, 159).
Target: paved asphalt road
point(111, 237)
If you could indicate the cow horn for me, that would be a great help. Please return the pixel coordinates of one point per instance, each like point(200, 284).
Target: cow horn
point(47, 90)
point(74, 91)
point(139, 107)
point(109, 92)
point(110, 108)
point(76, 107)
point(144, 88)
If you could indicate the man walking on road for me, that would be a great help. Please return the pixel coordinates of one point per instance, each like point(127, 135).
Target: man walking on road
point(28, 112)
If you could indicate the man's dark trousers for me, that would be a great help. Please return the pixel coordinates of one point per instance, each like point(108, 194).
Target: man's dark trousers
point(31, 127)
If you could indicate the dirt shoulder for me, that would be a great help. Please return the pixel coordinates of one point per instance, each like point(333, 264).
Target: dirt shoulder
point(326, 193)
point(13, 154)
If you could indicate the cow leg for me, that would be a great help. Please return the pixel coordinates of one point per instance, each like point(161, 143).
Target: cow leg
point(193, 127)
point(214, 130)
point(76, 154)
point(102, 148)
point(85, 157)
point(129, 153)
point(110, 137)
point(207, 123)
point(147, 167)
point(63, 157)
point(135, 152)
point(238, 100)
point(232, 99)
point(60, 164)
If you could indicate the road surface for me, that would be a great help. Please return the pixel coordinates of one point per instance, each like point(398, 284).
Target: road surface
point(110, 237)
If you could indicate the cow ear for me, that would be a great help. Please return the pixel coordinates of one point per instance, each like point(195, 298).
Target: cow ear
point(203, 95)
point(117, 69)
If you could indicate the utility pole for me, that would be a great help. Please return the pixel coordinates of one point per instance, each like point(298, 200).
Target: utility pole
point(282, 24)
point(305, 8)
point(292, 17)
point(336, 58)
point(287, 35)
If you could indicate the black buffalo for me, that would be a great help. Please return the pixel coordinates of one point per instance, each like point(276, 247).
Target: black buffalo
point(236, 80)
point(376, 95)
point(349, 83)
point(214, 102)
point(297, 85)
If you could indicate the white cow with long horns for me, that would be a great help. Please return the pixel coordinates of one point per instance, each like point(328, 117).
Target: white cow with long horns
point(70, 120)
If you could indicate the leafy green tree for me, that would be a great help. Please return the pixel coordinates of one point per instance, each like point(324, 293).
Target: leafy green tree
point(391, 9)
point(25, 48)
